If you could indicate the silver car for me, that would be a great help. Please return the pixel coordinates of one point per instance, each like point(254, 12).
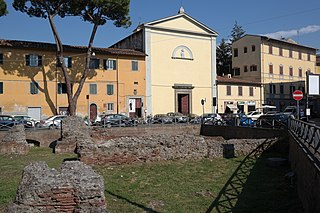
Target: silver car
point(51, 122)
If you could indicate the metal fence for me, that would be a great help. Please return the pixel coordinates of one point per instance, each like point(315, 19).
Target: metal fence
point(308, 137)
point(222, 120)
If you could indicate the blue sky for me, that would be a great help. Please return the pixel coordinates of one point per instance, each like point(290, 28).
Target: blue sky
point(273, 17)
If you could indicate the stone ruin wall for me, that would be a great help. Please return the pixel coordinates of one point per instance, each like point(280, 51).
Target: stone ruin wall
point(73, 188)
point(14, 142)
point(74, 130)
point(126, 150)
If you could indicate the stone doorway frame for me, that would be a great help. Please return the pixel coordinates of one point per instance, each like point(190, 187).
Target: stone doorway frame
point(185, 89)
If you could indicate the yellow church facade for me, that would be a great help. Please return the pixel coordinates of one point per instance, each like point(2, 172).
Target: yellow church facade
point(180, 64)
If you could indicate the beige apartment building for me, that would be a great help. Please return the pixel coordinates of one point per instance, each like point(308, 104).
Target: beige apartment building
point(180, 63)
point(31, 82)
point(237, 95)
point(279, 65)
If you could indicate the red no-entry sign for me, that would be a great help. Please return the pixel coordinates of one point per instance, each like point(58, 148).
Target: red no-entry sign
point(297, 95)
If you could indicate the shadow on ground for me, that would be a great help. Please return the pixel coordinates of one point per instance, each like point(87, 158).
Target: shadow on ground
point(142, 207)
point(257, 187)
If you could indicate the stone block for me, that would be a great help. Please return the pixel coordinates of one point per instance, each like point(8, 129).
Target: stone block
point(73, 188)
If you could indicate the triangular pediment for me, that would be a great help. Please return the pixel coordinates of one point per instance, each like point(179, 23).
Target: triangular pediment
point(181, 22)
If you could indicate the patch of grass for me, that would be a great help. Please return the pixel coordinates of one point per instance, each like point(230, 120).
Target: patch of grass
point(175, 186)
point(11, 167)
point(172, 186)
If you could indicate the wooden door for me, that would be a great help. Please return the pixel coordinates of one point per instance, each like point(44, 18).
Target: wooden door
point(183, 103)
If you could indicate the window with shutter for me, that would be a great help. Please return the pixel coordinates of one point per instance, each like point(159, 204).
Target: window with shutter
point(239, 91)
point(250, 91)
point(62, 88)
point(300, 72)
point(33, 60)
point(109, 89)
point(93, 89)
point(110, 107)
point(94, 63)
point(270, 49)
point(235, 52)
point(228, 90)
point(290, 71)
point(1, 87)
point(281, 70)
point(270, 68)
point(34, 88)
point(67, 62)
point(134, 65)
point(110, 64)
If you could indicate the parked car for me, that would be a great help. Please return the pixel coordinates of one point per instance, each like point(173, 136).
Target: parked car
point(246, 121)
point(278, 120)
point(113, 120)
point(254, 115)
point(291, 110)
point(272, 112)
point(7, 121)
point(27, 120)
point(161, 119)
point(195, 120)
point(178, 117)
point(211, 118)
point(51, 122)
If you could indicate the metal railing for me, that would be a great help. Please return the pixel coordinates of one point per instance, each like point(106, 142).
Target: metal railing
point(308, 137)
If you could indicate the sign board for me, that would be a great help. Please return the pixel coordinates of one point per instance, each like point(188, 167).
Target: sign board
point(132, 105)
point(313, 84)
point(297, 95)
point(308, 112)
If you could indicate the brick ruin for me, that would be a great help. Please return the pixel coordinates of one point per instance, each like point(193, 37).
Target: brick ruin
point(158, 147)
point(73, 188)
point(14, 142)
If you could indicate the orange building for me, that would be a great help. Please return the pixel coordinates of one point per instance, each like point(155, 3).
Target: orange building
point(32, 83)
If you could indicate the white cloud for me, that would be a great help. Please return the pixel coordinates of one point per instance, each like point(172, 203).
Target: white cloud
point(291, 33)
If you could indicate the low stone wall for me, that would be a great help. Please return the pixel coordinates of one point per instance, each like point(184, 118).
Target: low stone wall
point(237, 132)
point(14, 142)
point(308, 177)
point(158, 147)
point(107, 133)
point(75, 188)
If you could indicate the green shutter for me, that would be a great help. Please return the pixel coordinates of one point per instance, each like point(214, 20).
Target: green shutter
point(69, 62)
point(27, 60)
point(114, 64)
point(104, 64)
point(39, 60)
point(34, 88)
point(109, 89)
point(93, 89)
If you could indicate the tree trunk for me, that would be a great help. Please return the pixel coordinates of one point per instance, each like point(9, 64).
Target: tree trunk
point(60, 58)
point(73, 103)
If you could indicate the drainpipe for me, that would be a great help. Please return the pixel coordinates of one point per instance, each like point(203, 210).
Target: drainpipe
point(117, 76)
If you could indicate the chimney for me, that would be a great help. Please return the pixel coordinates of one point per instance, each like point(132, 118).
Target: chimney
point(229, 75)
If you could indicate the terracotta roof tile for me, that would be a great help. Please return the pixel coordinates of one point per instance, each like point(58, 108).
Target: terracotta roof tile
point(226, 79)
point(52, 47)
